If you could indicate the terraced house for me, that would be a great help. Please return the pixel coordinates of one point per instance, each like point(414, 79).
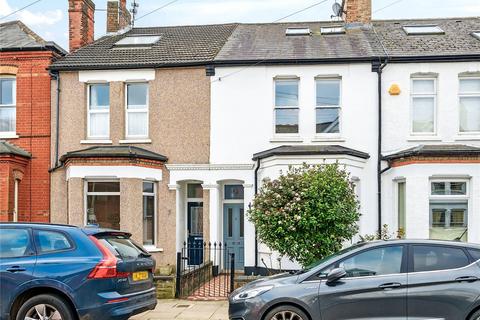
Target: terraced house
point(25, 100)
point(168, 132)
point(130, 103)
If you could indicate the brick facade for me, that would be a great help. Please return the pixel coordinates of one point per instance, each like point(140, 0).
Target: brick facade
point(33, 131)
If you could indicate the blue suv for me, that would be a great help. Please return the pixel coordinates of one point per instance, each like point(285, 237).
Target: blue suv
point(61, 272)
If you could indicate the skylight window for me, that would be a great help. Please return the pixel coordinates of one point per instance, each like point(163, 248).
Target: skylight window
point(332, 30)
point(301, 31)
point(423, 29)
point(137, 41)
point(476, 34)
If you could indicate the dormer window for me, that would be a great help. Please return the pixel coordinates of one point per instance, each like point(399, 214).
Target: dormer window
point(476, 34)
point(332, 30)
point(299, 31)
point(137, 41)
point(426, 29)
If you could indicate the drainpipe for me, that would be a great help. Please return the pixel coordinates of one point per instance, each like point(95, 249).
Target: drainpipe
point(257, 167)
point(377, 66)
point(56, 75)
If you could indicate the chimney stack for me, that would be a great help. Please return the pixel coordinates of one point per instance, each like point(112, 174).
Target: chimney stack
point(358, 11)
point(118, 16)
point(81, 23)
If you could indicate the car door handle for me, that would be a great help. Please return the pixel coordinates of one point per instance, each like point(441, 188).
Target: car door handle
point(390, 285)
point(16, 269)
point(467, 279)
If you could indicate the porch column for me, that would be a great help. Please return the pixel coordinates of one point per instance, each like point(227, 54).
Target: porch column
point(214, 213)
point(179, 234)
point(249, 238)
point(76, 197)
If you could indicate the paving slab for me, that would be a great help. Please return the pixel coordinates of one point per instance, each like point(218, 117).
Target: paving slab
point(186, 310)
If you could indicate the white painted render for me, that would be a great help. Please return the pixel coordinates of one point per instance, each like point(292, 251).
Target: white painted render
point(397, 136)
point(242, 124)
point(115, 172)
point(116, 75)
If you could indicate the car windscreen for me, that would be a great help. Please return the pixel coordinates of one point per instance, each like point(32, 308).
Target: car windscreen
point(122, 246)
point(333, 256)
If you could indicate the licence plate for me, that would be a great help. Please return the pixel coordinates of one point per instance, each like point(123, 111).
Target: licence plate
point(139, 276)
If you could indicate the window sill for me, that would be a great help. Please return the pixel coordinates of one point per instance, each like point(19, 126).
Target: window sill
point(424, 138)
point(153, 249)
point(327, 139)
point(286, 139)
point(96, 141)
point(9, 135)
point(131, 141)
point(467, 138)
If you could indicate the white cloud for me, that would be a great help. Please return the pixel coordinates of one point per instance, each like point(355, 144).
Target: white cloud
point(46, 18)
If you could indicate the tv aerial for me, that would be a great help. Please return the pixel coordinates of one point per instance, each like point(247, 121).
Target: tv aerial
point(337, 10)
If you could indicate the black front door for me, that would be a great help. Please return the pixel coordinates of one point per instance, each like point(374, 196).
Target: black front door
point(375, 287)
point(195, 233)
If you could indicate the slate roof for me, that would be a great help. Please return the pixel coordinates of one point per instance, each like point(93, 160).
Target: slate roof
point(250, 43)
point(114, 152)
point(11, 149)
point(268, 41)
point(310, 150)
point(181, 45)
point(435, 151)
point(14, 36)
point(457, 39)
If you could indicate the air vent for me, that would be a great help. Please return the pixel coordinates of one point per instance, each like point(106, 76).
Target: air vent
point(300, 31)
point(426, 29)
point(332, 30)
point(137, 41)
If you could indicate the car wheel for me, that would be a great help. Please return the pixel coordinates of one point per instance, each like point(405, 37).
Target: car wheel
point(286, 313)
point(45, 307)
point(475, 316)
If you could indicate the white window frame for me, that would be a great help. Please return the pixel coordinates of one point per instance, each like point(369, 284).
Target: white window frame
point(339, 107)
point(424, 95)
point(86, 194)
point(10, 134)
point(464, 95)
point(275, 107)
point(89, 112)
point(144, 110)
point(155, 208)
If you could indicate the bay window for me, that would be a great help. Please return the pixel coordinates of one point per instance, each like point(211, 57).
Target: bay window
point(149, 213)
point(103, 204)
point(327, 106)
point(286, 106)
point(469, 101)
point(137, 110)
point(448, 210)
point(423, 108)
point(8, 98)
point(98, 111)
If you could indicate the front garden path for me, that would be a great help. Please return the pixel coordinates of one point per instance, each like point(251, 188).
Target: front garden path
point(187, 310)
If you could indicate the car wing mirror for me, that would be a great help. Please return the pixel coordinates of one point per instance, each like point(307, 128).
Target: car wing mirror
point(335, 275)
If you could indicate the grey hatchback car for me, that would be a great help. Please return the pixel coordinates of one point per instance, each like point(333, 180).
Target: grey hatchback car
point(398, 279)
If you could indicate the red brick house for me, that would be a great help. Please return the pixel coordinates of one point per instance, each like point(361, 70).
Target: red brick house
point(25, 101)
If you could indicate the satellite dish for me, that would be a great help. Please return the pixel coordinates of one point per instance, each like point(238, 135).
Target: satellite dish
point(337, 9)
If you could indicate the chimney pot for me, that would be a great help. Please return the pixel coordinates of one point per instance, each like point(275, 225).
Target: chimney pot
point(81, 23)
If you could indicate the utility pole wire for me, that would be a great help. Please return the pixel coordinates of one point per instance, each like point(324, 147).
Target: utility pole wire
point(155, 10)
point(16, 11)
point(387, 6)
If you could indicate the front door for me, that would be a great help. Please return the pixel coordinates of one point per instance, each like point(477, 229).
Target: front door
point(233, 232)
point(195, 233)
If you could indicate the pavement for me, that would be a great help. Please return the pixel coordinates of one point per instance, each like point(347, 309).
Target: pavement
point(186, 310)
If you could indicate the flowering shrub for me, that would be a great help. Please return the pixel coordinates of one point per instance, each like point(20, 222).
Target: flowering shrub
point(307, 213)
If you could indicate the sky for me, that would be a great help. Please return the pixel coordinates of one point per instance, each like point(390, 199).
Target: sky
point(49, 18)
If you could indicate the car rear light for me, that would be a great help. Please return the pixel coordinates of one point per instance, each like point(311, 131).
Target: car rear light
point(107, 267)
point(117, 300)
